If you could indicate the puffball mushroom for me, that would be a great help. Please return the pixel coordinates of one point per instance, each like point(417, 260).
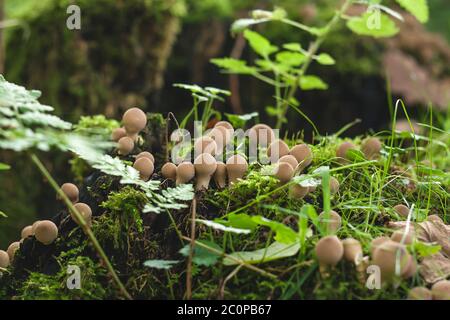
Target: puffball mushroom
point(284, 172)
point(4, 259)
point(145, 167)
point(297, 191)
point(341, 151)
point(169, 171)
point(376, 243)
point(371, 148)
point(220, 175)
point(205, 165)
point(71, 191)
point(13, 247)
point(389, 256)
point(334, 185)
point(352, 250)
point(146, 154)
point(236, 168)
point(125, 146)
point(185, 172)
point(46, 232)
point(420, 293)
point(205, 145)
point(398, 235)
point(332, 223)
point(402, 210)
point(220, 136)
point(224, 124)
point(26, 232)
point(289, 159)
point(134, 120)
point(33, 226)
point(277, 149)
point(441, 290)
point(261, 133)
point(303, 155)
point(85, 212)
point(329, 251)
point(118, 133)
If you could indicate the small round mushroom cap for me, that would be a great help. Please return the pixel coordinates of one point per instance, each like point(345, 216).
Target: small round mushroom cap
point(441, 290)
point(205, 145)
point(329, 251)
point(262, 134)
point(303, 154)
point(376, 242)
point(402, 210)
point(220, 175)
point(289, 159)
point(341, 151)
point(402, 125)
point(331, 223)
point(221, 136)
point(125, 146)
point(334, 185)
point(205, 165)
point(85, 212)
point(420, 293)
point(118, 133)
point(297, 191)
point(371, 148)
point(46, 232)
point(4, 259)
point(224, 124)
point(284, 172)
point(71, 191)
point(146, 154)
point(398, 235)
point(236, 167)
point(33, 226)
point(277, 149)
point(352, 249)
point(169, 171)
point(145, 167)
point(26, 232)
point(134, 120)
point(388, 255)
point(13, 247)
point(410, 269)
point(185, 172)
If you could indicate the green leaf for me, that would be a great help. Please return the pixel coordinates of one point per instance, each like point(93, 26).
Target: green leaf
point(239, 120)
point(426, 249)
point(239, 220)
point(418, 8)
point(375, 24)
point(293, 47)
point(221, 227)
point(233, 65)
point(4, 166)
point(272, 111)
point(288, 58)
point(242, 24)
point(309, 82)
point(259, 44)
point(283, 233)
point(273, 252)
point(325, 59)
point(202, 256)
point(160, 264)
point(3, 215)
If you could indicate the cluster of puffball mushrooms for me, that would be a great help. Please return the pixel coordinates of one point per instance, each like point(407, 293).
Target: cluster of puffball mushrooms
point(46, 231)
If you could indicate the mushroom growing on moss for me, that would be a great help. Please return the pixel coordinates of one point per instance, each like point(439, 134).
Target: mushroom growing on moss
point(375, 243)
point(441, 290)
point(85, 212)
point(169, 171)
point(185, 172)
point(391, 257)
point(284, 172)
point(342, 150)
point(334, 185)
point(46, 232)
point(125, 146)
point(352, 250)
point(71, 191)
point(221, 136)
point(297, 191)
point(236, 168)
point(134, 120)
point(205, 165)
point(303, 155)
point(371, 148)
point(4, 259)
point(402, 210)
point(420, 293)
point(277, 149)
point(145, 167)
point(398, 236)
point(118, 133)
point(261, 133)
point(13, 247)
point(289, 159)
point(220, 175)
point(146, 154)
point(331, 223)
point(26, 232)
point(205, 145)
point(329, 251)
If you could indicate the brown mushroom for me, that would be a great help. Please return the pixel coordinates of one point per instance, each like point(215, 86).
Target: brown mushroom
point(391, 256)
point(236, 168)
point(331, 223)
point(261, 134)
point(145, 167)
point(118, 133)
point(185, 172)
point(342, 150)
point(441, 290)
point(398, 236)
point(169, 171)
point(371, 148)
point(352, 250)
point(334, 185)
point(85, 211)
point(205, 165)
point(221, 136)
point(277, 149)
point(297, 191)
point(220, 175)
point(402, 210)
point(134, 120)
point(27, 232)
point(33, 226)
point(329, 251)
point(71, 191)
point(146, 154)
point(376, 242)
point(224, 124)
point(284, 172)
point(205, 145)
point(4, 259)
point(303, 155)
point(13, 247)
point(125, 146)
point(420, 293)
point(46, 232)
point(289, 159)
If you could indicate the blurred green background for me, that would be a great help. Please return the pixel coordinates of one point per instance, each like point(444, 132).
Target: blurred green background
point(130, 52)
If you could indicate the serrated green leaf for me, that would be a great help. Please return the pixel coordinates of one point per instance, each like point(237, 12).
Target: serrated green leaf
point(426, 249)
point(259, 44)
point(160, 264)
point(309, 82)
point(375, 24)
point(325, 59)
point(233, 65)
point(418, 8)
point(292, 59)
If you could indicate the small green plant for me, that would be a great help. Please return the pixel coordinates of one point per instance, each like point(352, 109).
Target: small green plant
point(285, 67)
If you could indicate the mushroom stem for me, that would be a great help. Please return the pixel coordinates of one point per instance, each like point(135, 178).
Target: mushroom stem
point(220, 176)
point(205, 166)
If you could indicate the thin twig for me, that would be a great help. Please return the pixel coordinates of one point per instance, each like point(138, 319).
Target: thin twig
point(228, 278)
point(191, 251)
